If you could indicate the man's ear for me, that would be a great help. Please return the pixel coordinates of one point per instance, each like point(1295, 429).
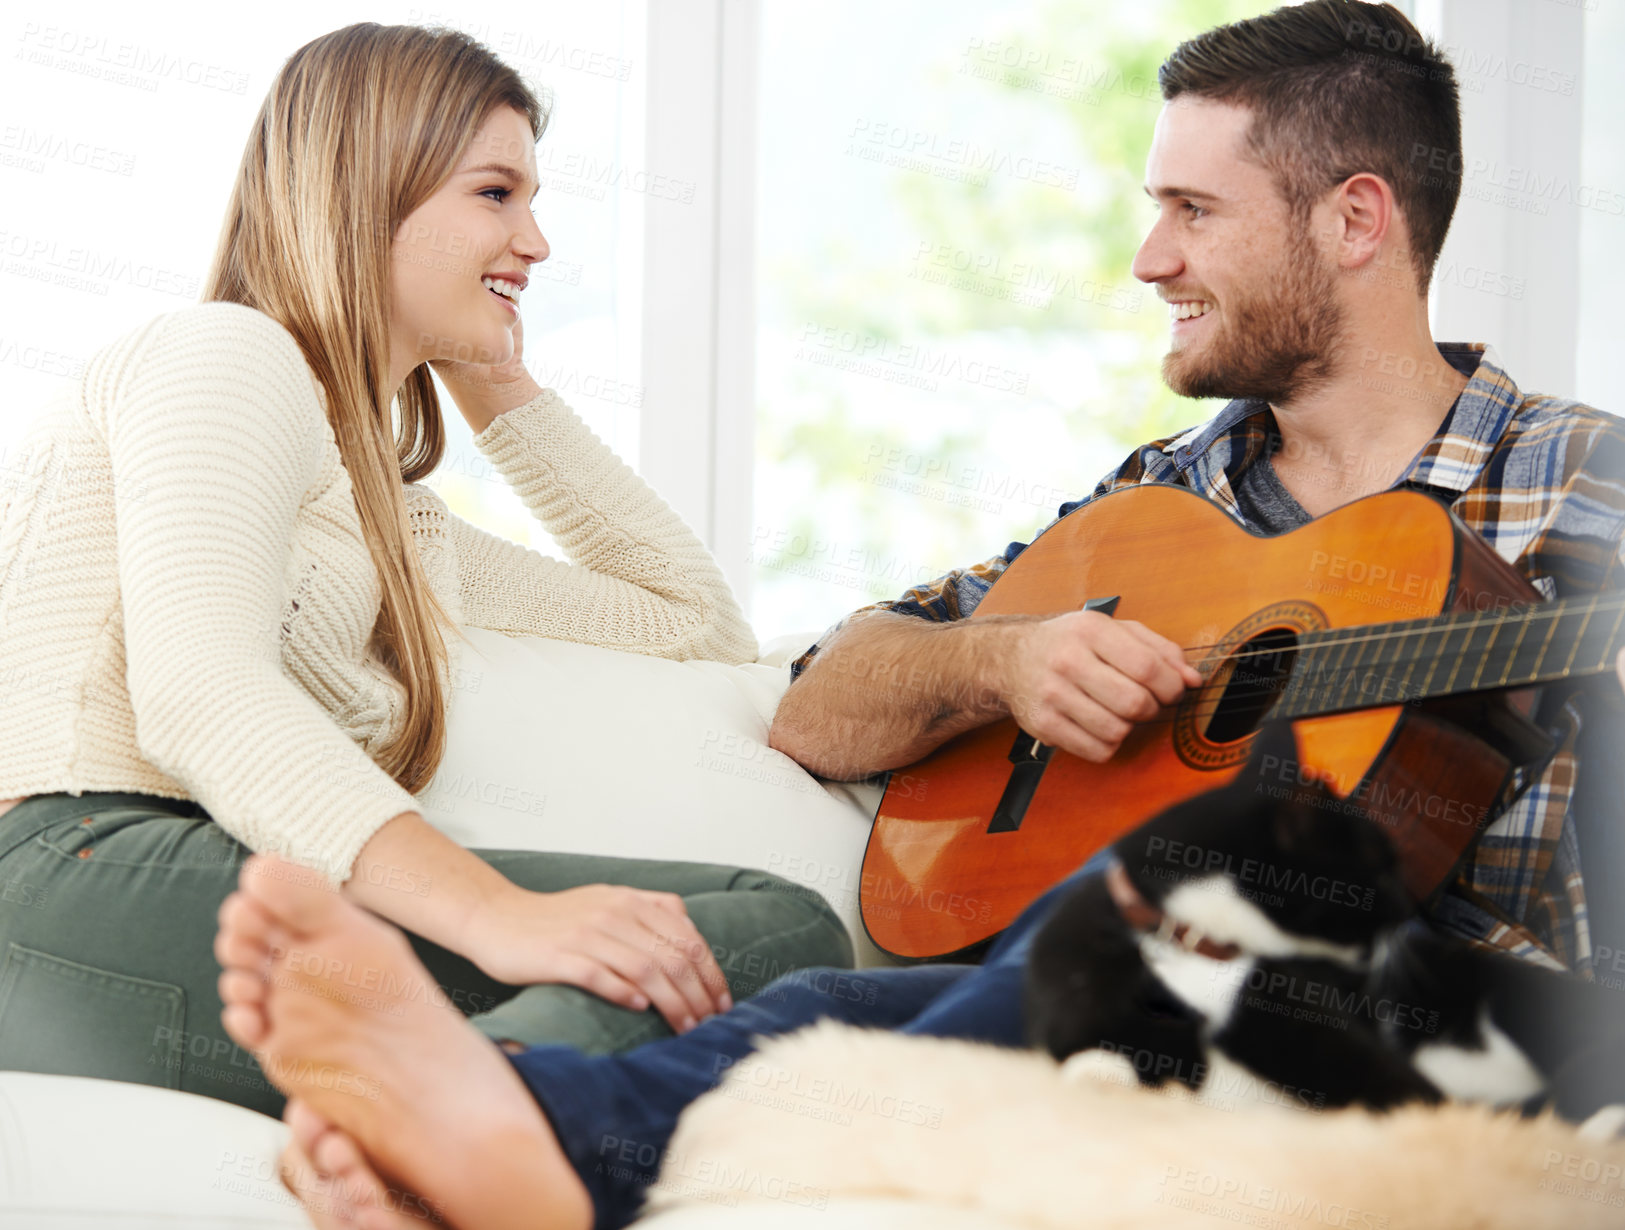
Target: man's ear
point(1369, 224)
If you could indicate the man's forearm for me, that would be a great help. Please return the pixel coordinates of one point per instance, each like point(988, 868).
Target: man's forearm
point(889, 688)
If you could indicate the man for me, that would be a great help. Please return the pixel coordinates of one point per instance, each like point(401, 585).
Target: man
point(1299, 290)
point(1280, 187)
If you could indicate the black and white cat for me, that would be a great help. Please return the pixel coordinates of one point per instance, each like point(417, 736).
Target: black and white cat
point(1256, 943)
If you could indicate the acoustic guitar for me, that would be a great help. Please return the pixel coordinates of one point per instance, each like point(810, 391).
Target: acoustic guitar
point(1402, 648)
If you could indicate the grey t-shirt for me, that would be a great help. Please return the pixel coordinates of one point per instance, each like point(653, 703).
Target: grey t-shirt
point(1264, 502)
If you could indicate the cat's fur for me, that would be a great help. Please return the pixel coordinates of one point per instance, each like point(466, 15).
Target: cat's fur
point(1341, 994)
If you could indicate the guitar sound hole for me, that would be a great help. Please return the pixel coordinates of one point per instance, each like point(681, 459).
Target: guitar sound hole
point(1257, 671)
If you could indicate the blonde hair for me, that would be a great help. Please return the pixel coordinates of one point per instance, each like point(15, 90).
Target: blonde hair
point(360, 127)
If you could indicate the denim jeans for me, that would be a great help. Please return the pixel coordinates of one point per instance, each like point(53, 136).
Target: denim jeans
point(614, 1114)
point(107, 925)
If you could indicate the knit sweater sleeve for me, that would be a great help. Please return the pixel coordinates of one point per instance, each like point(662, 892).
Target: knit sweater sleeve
point(638, 579)
point(214, 433)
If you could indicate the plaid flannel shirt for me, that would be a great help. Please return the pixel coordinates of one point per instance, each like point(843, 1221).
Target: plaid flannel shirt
point(1542, 480)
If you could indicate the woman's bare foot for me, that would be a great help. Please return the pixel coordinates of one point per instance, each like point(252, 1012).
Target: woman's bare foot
point(344, 1018)
point(326, 1170)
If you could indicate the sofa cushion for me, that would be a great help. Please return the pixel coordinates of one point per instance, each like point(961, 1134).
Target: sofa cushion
point(84, 1154)
point(558, 746)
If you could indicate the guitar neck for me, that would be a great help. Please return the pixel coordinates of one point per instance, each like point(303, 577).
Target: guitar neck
point(1338, 670)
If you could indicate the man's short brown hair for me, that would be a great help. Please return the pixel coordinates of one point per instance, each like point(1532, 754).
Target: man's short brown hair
point(1338, 88)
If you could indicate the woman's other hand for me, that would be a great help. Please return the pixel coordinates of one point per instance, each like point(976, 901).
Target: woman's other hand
point(482, 391)
point(631, 946)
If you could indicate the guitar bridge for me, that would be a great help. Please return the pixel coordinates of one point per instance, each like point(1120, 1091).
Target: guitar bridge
point(1028, 758)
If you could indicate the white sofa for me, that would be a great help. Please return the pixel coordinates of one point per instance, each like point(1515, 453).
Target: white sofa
point(551, 746)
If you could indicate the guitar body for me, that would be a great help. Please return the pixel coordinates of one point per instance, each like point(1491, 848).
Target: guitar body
point(938, 884)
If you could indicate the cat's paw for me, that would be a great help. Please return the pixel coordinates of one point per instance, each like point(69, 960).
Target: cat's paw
point(1606, 1124)
point(1099, 1067)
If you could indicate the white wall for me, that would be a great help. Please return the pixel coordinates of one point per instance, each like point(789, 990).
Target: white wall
point(1509, 273)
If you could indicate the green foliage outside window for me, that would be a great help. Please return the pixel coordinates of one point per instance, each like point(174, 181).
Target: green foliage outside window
point(1054, 271)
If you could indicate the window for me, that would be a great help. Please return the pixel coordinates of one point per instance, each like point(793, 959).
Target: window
point(949, 341)
point(1602, 225)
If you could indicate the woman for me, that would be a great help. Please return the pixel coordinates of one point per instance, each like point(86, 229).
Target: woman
point(222, 598)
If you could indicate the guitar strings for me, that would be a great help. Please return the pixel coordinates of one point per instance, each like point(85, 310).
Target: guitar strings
point(1323, 638)
point(1303, 689)
point(1318, 639)
point(1449, 621)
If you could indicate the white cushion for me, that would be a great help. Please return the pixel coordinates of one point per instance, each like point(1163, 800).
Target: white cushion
point(557, 746)
point(81, 1154)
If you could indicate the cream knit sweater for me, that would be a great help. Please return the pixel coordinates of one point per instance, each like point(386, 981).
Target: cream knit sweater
point(186, 597)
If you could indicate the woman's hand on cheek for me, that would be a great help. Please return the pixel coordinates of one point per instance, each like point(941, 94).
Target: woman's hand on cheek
point(483, 391)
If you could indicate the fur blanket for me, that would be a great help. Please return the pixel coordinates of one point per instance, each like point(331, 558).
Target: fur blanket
point(833, 1112)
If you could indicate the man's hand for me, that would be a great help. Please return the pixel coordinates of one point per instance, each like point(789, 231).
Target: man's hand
point(483, 391)
point(889, 688)
point(1080, 681)
point(1619, 665)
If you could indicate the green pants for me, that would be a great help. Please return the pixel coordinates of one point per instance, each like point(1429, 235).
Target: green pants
point(107, 925)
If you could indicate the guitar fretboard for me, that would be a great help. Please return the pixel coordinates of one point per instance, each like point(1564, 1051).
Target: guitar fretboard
point(1338, 670)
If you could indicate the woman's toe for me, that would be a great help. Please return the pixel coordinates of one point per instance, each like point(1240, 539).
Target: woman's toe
point(235, 950)
point(336, 1154)
point(316, 1192)
point(241, 914)
point(244, 1024)
point(239, 986)
point(304, 1124)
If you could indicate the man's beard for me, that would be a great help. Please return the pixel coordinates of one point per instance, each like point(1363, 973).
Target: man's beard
point(1273, 345)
